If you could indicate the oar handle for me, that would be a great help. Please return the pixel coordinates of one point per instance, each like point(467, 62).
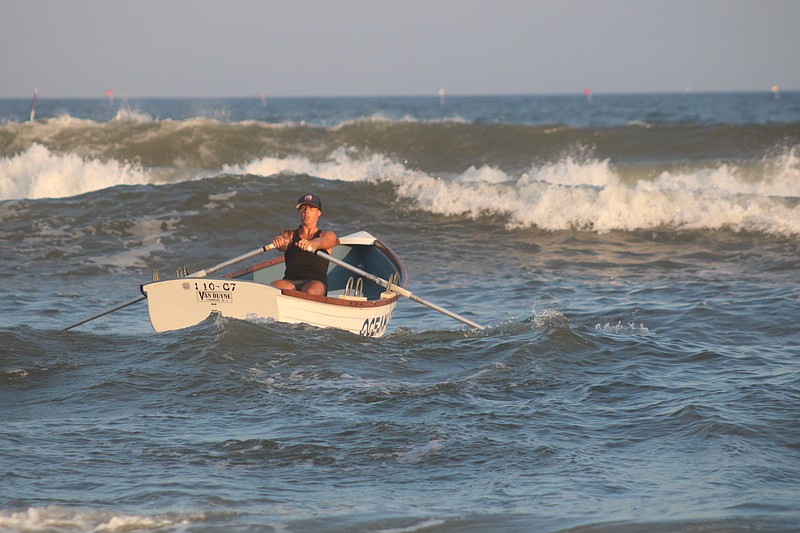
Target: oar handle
point(399, 290)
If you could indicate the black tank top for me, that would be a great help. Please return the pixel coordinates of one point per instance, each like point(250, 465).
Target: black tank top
point(302, 265)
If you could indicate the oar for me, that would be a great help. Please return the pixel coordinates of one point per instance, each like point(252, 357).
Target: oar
point(395, 288)
point(229, 262)
point(199, 274)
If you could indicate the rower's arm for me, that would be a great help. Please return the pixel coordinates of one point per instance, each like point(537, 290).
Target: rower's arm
point(325, 241)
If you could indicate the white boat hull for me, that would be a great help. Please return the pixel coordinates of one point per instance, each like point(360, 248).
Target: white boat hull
point(181, 303)
point(247, 294)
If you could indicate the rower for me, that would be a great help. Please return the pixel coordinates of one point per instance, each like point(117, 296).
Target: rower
point(305, 271)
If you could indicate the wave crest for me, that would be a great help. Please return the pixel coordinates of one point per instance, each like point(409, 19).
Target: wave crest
point(579, 192)
point(39, 173)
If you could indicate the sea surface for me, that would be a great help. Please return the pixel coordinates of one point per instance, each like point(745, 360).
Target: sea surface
point(635, 260)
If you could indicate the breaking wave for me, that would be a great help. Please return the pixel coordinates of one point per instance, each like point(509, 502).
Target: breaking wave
point(581, 193)
point(39, 173)
point(575, 192)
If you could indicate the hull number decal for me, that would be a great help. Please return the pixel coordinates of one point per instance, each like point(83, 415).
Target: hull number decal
point(373, 327)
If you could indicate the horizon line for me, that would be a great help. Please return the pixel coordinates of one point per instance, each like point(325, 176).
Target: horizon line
point(579, 93)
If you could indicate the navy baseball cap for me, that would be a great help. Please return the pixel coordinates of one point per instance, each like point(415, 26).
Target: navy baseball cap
point(310, 199)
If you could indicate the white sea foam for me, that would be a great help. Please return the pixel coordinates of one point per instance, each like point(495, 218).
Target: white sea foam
point(39, 173)
point(425, 524)
point(342, 165)
point(580, 192)
point(222, 199)
point(62, 519)
point(147, 238)
point(127, 114)
point(631, 328)
point(379, 118)
point(574, 192)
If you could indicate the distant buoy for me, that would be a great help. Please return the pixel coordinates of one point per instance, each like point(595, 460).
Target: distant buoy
point(33, 105)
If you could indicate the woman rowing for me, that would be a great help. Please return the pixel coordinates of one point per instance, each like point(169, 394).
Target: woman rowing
point(305, 271)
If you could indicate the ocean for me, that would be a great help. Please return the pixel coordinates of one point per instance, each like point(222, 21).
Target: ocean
point(634, 259)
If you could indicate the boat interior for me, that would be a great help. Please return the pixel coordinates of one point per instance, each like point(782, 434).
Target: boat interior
point(342, 283)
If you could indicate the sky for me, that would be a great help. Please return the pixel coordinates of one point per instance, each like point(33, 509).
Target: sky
point(204, 48)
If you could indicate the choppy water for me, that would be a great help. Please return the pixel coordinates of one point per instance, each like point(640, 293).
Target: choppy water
point(635, 260)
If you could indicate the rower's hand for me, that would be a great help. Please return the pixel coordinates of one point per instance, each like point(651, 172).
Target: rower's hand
point(281, 242)
point(305, 245)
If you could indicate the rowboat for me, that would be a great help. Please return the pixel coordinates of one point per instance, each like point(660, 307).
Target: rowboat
point(356, 303)
point(363, 304)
